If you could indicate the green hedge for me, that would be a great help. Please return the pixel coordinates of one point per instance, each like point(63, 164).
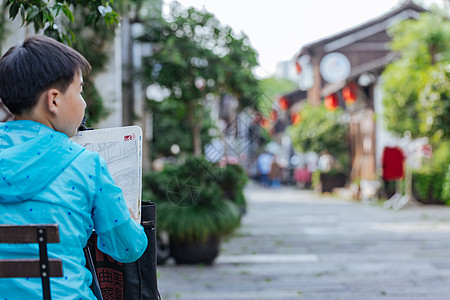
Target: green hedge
point(428, 187)
point(446, 187)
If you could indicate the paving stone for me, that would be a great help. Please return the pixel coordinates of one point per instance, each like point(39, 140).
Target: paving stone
point(296, 244)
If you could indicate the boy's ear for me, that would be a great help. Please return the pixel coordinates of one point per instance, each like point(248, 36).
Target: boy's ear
point(52, 100)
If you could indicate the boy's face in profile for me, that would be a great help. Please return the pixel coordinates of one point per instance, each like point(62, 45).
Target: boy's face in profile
point(71, 109)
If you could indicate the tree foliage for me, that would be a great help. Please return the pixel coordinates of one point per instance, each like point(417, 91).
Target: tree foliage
point(49, 15)
point(416, 86)
point(169, 128)
point(273, 87)
point(94, 42)
point(320, 130)
point(417, 94)
point(87, 26)
point(197, 59)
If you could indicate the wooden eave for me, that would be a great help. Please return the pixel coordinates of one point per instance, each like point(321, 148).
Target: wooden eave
point(406, 11)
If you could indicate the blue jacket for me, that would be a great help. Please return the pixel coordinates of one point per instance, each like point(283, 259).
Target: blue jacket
point(46, 178)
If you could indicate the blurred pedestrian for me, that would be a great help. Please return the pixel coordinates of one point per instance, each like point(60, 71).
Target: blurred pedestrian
point(275, 173)
point(302, 176)
point(325, 162)
point(264, 164)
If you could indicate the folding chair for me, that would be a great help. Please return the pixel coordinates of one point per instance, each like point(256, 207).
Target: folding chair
point(42, 267)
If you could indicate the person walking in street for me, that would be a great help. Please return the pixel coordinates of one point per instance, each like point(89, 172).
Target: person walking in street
point(264, 164)
point(275, 173)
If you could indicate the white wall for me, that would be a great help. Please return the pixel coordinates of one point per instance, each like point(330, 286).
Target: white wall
point(109, 85)
point(13, 34)
point(383, 137)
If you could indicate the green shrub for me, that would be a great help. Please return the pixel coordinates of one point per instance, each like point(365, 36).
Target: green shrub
point(320, 130)
point(232, 179)
point(197, 222)
point(191, 204)
point(427, 187)
point(446, 187)
point(429, 183)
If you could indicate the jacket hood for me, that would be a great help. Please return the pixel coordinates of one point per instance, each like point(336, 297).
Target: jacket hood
point(32, 155)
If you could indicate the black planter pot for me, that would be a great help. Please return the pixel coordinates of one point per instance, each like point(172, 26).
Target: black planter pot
point(162, 248)
point(195, 252)
point(331, 180)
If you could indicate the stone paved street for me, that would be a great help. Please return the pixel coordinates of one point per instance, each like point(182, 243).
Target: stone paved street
point(296, 244)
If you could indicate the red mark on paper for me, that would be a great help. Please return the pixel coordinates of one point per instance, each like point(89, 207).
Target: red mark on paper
point(128, 137)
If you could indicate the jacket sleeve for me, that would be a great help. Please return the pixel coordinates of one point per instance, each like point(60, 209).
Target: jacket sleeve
point(119, 235)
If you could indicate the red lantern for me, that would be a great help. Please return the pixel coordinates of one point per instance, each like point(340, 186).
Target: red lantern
point(298, 67)
point(273, 115)
point(284, 103)
point(265, 123)
point(331, 102)
point(295, 118)
point(349, 93)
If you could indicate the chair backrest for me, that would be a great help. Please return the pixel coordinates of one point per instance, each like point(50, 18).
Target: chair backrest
point(42, 267)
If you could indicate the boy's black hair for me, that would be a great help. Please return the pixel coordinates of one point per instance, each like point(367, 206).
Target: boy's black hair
point(37, 64)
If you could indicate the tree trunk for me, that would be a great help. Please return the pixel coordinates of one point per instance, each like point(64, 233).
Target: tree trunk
point(127, 71)
point(195, 126)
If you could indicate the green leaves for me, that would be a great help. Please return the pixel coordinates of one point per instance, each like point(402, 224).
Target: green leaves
point(416, 86)
point(197, 58)
point(31, 13)
point(417, 94)
point(320, 130)
point(110, 17)
point(194, 44)
point(46, 15)
point(192, 207)
point(68, 13)
point(14, 9)
point(91, 18)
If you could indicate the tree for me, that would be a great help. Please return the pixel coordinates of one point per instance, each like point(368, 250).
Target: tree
point(271, 89)
point(170, 128)
point(197, 58)
point(417, 94)
point(46, 15)
point(93, 43)
point(321, 130)
point(416, 86)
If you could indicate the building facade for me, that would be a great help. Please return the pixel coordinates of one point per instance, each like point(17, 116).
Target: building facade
point(345, 70)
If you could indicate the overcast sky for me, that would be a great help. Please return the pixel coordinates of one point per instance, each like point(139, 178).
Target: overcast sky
point(278, 29)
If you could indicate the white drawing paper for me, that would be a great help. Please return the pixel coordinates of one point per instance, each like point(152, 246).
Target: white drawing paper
point(121, 148)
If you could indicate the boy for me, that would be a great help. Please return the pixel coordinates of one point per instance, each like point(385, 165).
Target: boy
point(45, 178)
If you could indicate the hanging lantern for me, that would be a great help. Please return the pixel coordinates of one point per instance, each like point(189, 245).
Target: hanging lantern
point(298, 67)
point(273, 115)
point(349, 93)
point(283, 103)
point(265, 123)
point(331, 102)
point(295, 118)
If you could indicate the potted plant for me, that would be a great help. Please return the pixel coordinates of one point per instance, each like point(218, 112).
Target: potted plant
point(192, 209)
point(232, 178)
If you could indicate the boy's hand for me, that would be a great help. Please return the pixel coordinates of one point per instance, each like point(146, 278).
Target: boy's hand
point(132, 214)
